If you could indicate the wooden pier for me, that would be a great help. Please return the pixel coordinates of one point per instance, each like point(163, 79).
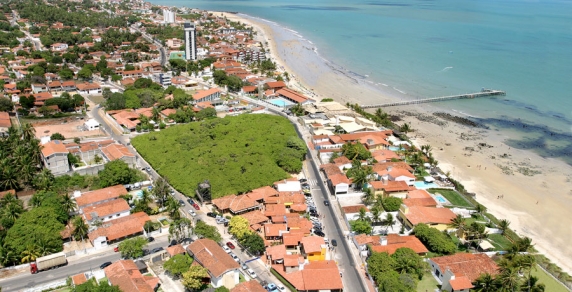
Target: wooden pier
point(483, 93)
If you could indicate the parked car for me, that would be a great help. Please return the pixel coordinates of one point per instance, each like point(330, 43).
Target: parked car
point(251, 273)
point(150, 239)
point(190, 201)
point(172, 192)
point(320, 233)
point(157, 249)
point(148, 169)
point(281, 287)
point(192, 212)
point(303, 180)
point(226, 249)
point(244, 267)
point(116, 249)
point(234, 257)
point(272, 287)
point(334, 242)
point(181, 202)
point(196, 206)
point(211, 214)
point(230, 245)
point(327, 203)
point(104, 265)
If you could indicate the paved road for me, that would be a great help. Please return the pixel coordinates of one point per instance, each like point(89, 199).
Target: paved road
point(81, 265)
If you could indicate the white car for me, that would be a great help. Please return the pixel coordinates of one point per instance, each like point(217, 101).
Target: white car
point(192, 213)
point(251, 273)
point(226, 249)
point(234, 257)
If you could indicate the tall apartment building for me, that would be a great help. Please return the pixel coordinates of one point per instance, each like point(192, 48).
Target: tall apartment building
point(190, 41)
point(168, 16)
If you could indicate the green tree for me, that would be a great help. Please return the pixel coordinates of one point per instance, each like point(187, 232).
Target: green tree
point(238, 226)
point(203, 230)
point(486, 283)
point(161, 190)
point(458, 223)
point(392, 204)
point(117, 172)
point(92, 286)
point(6, 105)
point(219, 289)
point(57, 136)
point(85, 73)
point(206, 113)
point(509, 279)
point(178, 264)
point(253, 243)
point(361, 226)
point(392, 281)
point(30, 253)
point(81, 229)
point(503, 225)
point(379, 263)
point(434, 239)
point(180, 229)
point(407, 261)
point(132, 248)
point(193, 279)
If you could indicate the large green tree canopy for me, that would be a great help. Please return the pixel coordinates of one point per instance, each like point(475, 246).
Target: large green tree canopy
point(237, 154)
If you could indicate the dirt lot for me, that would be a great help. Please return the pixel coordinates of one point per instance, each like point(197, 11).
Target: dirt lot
point(69, 127)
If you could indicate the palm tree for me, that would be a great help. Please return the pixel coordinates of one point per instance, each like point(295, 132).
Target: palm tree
point(532, 285)
point(30, 254)
point(509, 279)
point(44, 248)
point(368, 196)
point(486, 283)
point(44, 179)
point(481, 209)
point(80, 228)
point(389, 221)
point(405, 128)
point(28, 132)
point(362, 215)
point(173, 208)
point(459, 224)
point(525, 244)
point(9, 179)
point(503, 225)
point(375, 214)
point(68, 203)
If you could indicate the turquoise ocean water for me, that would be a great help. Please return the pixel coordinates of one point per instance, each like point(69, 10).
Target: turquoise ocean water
point(428, 48)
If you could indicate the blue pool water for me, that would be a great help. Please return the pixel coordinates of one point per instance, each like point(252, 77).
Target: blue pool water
point(139, 194)
point(393, 148)
point(280, 102)
point(440, 199)
point(424, 185)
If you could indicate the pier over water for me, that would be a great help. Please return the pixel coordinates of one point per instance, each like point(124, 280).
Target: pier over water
point(482, 93)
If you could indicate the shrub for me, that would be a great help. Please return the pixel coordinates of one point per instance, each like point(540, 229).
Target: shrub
point(435, 240)
point(391, 204)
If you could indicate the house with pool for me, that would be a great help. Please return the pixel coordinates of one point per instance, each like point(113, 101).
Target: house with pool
point(438, 218)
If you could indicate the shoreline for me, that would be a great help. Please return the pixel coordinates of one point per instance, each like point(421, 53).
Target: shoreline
point(536, 205)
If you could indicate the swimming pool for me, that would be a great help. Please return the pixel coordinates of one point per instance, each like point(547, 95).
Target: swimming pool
point(441, 199)
point(280, 102)
point(423, 185)
point(394, 148)
point(139, 194)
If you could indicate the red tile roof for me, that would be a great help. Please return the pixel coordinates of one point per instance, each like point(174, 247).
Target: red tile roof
point(175, 250)
point(461, 283)
point(212, 257)
point(204, 93)
point(317, 275)
point(395, 241)
point(54, 147)
point(292, 95)
point(429, 215)
point(93, 197)
point(390, 186)
point(105, 209)
point(312, 244)
point(122, 227)
point(274, 229)
point(249, 286)
point(276, 252)
point(116, 151)
point(79, 279)
point(467, 265)
point(235, 203)
point(126, 275)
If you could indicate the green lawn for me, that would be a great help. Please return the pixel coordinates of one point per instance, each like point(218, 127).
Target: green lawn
point(97, 99)
point(499, 241)
point(428, 283)
point(452, 196)
point(551, 284)
point(460, 247)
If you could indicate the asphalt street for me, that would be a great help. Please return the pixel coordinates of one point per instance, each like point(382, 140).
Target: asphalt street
point(81, 265)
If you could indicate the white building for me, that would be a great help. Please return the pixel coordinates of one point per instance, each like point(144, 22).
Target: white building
point(168, 16)
point(190, 41)
point(91, 125)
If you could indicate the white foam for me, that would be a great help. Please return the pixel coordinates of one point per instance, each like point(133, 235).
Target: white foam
point(400, 91)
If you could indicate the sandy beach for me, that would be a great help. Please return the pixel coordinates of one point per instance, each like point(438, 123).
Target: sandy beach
point(537, 191)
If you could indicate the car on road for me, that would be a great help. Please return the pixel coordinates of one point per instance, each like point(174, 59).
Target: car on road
point(157, 249)
point(104, 265)
point(327, 203)
point(230, 245)
point(251, 273)
point(150, 239)
point(116, 249)
point(148, 169)
point(211, 214)
point(303, 180)
point(181, 202)
point(190, 201)
point(272, 287)
point(281, 287)
point(172, 192)
point(244, 267)
point(192, 212)
point(226, 249)
point(320, 233)
point(334, 242)
point(196, 206)
point(234, 257)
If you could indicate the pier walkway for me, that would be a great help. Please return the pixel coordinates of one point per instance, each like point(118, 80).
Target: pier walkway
point(483, 93)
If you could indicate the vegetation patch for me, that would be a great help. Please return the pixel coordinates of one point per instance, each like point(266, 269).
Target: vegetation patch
point(236, 154)
point(452, 196)
point(499, 241)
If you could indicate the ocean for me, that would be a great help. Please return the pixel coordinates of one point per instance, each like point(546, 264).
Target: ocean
point(425, 48)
